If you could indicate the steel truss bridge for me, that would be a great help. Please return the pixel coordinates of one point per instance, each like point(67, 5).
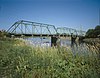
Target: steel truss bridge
point(28, 28)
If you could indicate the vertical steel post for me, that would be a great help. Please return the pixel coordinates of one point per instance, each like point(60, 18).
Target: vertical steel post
point(21, 28)
point(32, 28)
point(41, 28)
point(25, 28)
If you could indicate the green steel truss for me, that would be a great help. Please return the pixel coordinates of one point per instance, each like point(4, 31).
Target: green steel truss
point(28, 27)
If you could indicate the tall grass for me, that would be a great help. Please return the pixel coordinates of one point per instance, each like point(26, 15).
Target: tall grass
point(18, 60)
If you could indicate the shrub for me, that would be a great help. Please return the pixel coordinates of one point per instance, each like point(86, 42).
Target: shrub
point(17, 60)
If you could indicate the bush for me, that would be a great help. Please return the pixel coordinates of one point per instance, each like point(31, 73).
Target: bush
point(17, 60)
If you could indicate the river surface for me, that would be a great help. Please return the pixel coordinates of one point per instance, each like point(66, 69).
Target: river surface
point(46, 41)
point(77, 48)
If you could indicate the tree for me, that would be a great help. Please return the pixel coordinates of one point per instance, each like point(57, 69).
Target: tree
point(97, 27)
point(97, 30)
point(90, 33)
point(93, 33)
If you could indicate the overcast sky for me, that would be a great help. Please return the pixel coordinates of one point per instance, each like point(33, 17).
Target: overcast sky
point(61, 13)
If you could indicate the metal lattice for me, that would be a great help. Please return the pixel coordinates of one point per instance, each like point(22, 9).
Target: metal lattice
point(27, 27)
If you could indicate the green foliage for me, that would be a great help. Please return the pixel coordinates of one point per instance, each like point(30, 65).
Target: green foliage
point(17, 60)
point(3, 33)
point(97, 27)
point(93, 32)
point(89, 33)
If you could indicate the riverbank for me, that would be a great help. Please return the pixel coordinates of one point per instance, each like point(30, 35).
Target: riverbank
point(93, 40)
point(19, 60)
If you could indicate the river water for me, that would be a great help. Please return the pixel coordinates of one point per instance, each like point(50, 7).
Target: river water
point(77, 48)
point(46, 41)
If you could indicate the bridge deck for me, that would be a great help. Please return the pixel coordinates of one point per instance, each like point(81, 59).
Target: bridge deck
point(39, 35)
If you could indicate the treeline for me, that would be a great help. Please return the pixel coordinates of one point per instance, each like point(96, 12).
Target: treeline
point(93, 33)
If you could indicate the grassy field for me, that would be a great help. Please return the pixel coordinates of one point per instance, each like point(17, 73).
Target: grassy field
point(18, 60)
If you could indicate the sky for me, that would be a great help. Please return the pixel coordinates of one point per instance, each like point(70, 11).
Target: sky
point(77, 14)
